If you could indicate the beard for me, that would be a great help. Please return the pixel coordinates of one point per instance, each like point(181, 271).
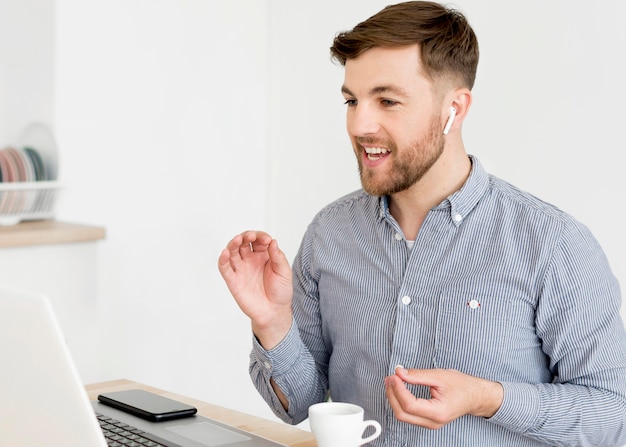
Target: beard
point(409, 164)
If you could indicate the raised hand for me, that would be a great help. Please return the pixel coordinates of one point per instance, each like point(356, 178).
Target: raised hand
point(258, 276)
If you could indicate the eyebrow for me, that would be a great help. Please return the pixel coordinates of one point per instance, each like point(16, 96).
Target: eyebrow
point(379, 90)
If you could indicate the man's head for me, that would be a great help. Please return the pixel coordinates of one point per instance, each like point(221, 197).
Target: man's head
point(409, 70)
point(449, 48)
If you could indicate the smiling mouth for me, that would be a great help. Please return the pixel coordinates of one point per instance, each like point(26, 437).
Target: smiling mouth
point(376, 153)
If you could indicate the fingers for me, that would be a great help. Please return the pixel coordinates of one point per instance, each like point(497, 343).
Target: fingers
point(256, 240)
point(394, 388)
point(248, 242)
point(407, 408)
point(280, 264)
point(243, 246)
point(452, 394)
point(398, 394)
point(228, 258)
point(426, 377)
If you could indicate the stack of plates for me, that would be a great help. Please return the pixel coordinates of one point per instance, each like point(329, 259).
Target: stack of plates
point(22, 165)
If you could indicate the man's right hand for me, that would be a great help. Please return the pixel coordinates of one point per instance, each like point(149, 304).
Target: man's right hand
point(258, 276)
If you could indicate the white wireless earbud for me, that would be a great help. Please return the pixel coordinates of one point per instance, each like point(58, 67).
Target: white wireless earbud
point(446, 129)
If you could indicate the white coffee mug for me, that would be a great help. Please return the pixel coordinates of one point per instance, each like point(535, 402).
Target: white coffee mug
point(339, 424)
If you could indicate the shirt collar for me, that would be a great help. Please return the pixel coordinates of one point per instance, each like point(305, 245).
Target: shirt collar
point(463, 201)
point(459, 203)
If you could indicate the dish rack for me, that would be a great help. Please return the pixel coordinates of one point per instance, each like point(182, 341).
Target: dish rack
point(20, 201)
point(28, 169)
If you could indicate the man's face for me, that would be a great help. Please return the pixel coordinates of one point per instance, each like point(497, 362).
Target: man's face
point(393, 119)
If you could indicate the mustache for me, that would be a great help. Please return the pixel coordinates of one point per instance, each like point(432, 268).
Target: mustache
point(371, 141)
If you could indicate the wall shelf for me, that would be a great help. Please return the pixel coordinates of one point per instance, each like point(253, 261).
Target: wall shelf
point(45, 232)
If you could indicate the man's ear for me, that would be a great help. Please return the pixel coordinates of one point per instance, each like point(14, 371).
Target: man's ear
point(446, 128)
point(459, 102)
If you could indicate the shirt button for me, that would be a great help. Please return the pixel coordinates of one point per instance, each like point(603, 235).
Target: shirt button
point(457, 218)
point(398, 237)
point(267, 365)
point(406, 300)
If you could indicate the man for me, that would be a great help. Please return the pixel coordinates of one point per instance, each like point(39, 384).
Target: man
point(456, 309)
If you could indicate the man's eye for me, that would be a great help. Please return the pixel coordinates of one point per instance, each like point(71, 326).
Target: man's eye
point(350, 102)
point(388, 102)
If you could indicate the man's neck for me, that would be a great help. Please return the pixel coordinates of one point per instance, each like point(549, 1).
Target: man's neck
point(410, 207)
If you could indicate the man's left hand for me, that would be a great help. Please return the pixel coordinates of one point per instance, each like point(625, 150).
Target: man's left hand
point(453, 394)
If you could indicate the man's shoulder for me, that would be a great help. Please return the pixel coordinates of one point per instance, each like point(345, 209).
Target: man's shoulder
point(355, 202)
point(518, 198)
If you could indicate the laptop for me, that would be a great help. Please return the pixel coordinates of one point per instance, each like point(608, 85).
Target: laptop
point(44, 403)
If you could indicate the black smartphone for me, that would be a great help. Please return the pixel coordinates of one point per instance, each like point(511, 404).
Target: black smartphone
point(147, 405)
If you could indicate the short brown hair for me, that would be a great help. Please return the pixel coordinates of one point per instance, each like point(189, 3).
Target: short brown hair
point(449, 48)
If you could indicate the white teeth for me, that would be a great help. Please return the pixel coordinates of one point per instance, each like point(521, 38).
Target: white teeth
point(375, 150)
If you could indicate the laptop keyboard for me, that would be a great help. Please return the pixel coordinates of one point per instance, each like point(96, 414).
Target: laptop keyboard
point(119, 434)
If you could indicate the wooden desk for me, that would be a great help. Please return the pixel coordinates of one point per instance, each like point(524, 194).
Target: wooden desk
point(276, 431)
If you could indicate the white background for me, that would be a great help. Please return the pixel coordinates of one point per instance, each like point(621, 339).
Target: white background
point(182, 122)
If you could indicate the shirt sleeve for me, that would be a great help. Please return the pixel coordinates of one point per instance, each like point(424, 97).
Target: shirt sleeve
point(290, 364)
point(292, 369)
point(578, 320)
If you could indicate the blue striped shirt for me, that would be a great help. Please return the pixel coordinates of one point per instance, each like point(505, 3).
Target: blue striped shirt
point(498, 284)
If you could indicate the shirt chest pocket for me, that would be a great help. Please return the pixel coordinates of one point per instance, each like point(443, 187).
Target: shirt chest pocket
point(472, 331)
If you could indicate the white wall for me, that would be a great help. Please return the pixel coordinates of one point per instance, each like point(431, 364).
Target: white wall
point(27, 48)
point(181, 123)
point(161, 117)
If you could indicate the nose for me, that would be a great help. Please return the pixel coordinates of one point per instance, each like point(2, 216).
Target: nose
point(361, 121)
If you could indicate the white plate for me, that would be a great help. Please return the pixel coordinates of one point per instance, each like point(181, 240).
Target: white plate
point(38, 136)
